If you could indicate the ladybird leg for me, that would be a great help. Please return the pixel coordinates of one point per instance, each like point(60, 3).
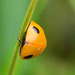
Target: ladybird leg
point(19, 39)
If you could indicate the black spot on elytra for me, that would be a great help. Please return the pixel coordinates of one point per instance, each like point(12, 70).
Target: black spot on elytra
point(36, 29)
point(29, 56)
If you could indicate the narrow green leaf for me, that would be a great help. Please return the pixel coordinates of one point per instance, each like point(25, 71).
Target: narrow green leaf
point(22, 34)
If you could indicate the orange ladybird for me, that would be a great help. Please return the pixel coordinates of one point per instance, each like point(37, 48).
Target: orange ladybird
point(34, 42)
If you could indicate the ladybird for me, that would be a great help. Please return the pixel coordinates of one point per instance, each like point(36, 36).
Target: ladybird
point(34, 42)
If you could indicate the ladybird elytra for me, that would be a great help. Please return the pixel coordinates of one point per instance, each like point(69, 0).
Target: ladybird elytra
point(34, 43)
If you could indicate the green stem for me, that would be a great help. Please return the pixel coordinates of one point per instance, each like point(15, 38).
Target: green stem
point(22, 34)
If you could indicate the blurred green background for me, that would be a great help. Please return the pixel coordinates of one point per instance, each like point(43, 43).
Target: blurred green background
point(57, 18)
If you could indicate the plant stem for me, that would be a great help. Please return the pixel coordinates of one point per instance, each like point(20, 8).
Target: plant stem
point(22, 34)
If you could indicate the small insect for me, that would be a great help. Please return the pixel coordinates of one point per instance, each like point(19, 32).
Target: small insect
point(34, 42)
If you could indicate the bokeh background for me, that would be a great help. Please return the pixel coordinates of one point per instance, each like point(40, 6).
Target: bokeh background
point(57, 18)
